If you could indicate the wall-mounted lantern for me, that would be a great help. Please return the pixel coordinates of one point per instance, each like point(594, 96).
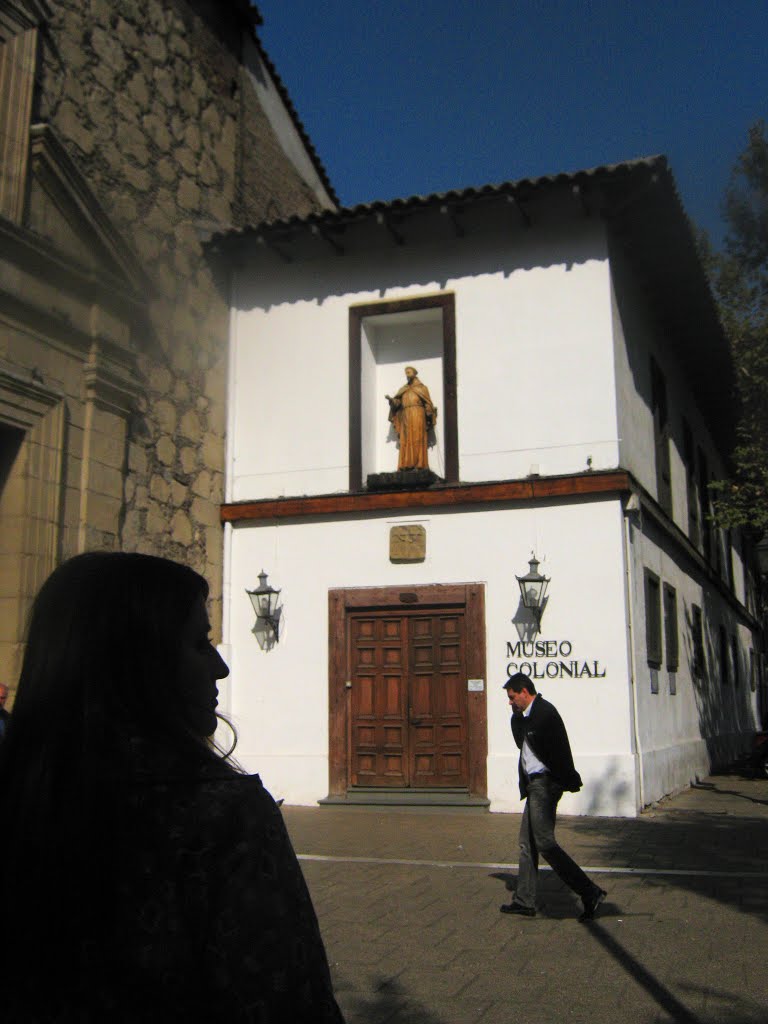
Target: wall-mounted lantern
point(533, 589)
point(265, 600)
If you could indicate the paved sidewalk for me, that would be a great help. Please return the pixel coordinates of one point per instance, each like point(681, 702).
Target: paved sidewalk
point(408, 904)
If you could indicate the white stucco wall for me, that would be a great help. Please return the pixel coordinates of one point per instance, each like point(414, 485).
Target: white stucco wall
point(536, 377)
point(636, 340)
point(681, 733)
point(534, 351)
point(553, 376)
point(278, 699)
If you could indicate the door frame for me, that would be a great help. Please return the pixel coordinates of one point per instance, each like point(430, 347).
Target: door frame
point(470, 597)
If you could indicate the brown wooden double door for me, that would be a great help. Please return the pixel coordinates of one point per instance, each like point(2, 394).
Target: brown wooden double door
point(408, 712)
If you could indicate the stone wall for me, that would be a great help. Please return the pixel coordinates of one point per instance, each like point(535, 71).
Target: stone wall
point(149, 99)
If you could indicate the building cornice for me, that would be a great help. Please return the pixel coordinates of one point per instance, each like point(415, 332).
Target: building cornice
point(593, 484)
point(445, 496)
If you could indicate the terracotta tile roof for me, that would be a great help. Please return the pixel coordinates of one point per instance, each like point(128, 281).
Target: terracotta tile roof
point(523, 187)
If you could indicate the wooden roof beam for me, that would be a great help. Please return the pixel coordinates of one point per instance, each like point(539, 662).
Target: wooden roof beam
point(580, 196)
point(386, 222)
point(318, 232)
point(617, 210)
point(452, 212)
point(268, 243)
point(525, 217)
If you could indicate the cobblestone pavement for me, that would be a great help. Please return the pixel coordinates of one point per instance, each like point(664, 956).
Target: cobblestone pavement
point(408, 904)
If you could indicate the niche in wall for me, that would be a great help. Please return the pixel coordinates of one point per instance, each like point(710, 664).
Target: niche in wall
point(384, 338)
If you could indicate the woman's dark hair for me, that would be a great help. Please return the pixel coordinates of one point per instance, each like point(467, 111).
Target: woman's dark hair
point(101, 661)
point(100, 706)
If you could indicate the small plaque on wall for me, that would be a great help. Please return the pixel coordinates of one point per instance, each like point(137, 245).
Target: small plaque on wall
point(407, 544)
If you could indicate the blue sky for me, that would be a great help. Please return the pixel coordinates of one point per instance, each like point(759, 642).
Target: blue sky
point(403, 98)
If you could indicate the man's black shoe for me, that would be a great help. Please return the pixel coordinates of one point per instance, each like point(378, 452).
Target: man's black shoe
point(591, 903)
point(517, 908)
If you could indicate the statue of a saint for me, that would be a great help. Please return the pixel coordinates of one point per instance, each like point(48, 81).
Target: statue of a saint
point(412, 414)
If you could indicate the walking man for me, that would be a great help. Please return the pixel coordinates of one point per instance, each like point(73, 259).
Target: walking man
point(545, 771)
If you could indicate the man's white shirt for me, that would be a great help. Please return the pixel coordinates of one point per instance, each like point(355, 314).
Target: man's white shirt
point(531, 763)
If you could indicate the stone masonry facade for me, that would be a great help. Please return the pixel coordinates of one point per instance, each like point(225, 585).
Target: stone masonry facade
point(151, 103)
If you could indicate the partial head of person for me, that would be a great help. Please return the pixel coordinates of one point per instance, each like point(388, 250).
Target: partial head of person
point(3, 694)
point(118, 651)
point(117, 695)
point(520, 691)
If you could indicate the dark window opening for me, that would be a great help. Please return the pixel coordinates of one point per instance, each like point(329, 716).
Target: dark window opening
point(653, 640)
point(689, 458)
point(706, 524)
point(725, 676)
point(670, 628)
point(697, 642)
point(661, 437)
point(735, 655)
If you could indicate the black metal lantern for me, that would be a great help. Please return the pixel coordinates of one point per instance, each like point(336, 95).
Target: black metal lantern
point(265, 604)
point(533, 589)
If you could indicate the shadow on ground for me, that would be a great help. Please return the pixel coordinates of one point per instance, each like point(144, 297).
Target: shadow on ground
point(679, 838)
point(392, 1004)
point(735, 1009)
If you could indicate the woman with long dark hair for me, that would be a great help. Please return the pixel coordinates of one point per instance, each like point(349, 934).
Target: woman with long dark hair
point(144, 876)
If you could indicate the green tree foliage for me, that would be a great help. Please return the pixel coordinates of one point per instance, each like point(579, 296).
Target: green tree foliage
point(739, 276)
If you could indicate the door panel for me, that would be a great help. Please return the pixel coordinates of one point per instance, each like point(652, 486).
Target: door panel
point(409, 700)
point(438, 701)
point(379, 701)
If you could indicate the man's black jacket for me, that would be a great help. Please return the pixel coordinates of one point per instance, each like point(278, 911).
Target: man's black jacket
point(545, 731)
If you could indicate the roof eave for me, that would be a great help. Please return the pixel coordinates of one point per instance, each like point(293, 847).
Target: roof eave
point(522, 189)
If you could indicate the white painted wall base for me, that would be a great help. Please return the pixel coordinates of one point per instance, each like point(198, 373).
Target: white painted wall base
point(674, 767)
point(609, 786)
point(298, 779)
point(670, 769)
